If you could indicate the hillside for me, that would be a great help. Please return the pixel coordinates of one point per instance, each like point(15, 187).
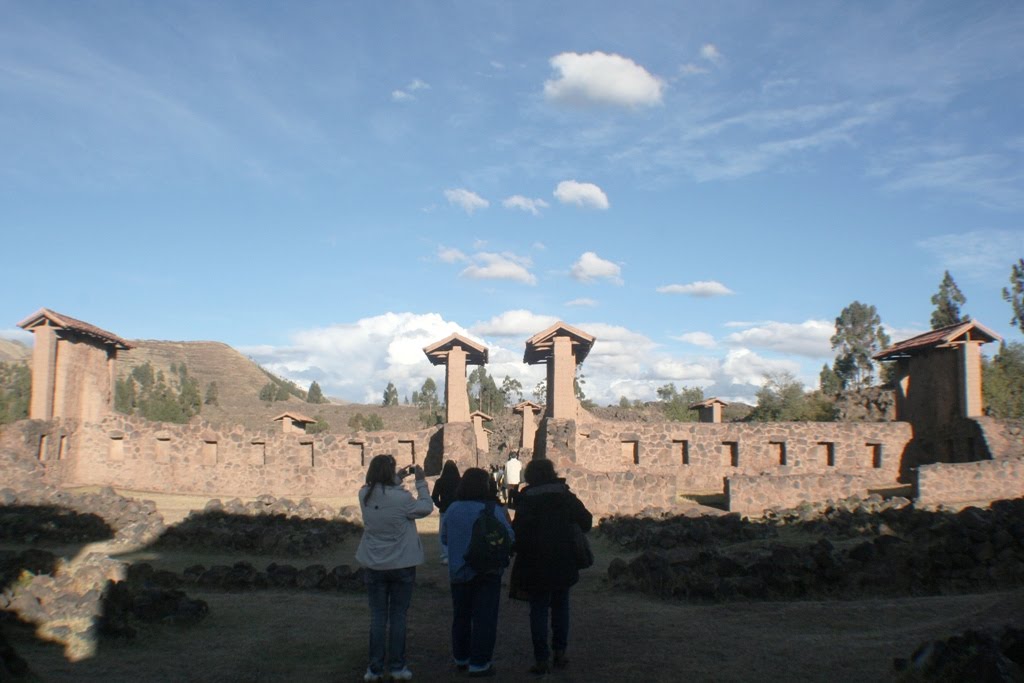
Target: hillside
point(14, 351)
point(239, 381)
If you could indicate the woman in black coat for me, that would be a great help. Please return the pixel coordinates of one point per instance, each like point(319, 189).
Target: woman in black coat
point(545, 565)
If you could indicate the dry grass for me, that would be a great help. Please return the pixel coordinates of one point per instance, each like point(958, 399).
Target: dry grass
point(310, 636)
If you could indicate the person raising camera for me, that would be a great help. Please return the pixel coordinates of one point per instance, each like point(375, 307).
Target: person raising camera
point(389, 551)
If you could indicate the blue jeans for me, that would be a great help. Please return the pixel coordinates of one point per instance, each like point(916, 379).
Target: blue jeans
point(555, 603)
point(390, 592)
point(475, 620)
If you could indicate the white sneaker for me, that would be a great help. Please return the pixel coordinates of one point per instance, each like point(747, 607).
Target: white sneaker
point(402, 674)
point(371, 677)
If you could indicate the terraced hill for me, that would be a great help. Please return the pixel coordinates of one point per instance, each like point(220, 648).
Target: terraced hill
point(14, 351)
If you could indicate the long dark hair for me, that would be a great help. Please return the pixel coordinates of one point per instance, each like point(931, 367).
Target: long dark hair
point(540, 471)
point(381, 471)
point(449, 473)
point(475, 485)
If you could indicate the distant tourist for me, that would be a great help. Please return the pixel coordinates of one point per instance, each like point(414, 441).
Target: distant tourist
point(390, 549)
point(545, 565)
point(475, 594)
point(443, 495)
point(513, 471)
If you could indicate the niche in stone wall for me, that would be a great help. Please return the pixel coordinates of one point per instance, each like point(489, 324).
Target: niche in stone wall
point(209, 455)
point(828, 452)
point(875, 453)
point(631, 452)
point(116, 446)
point(681, 449)
point(163, 446)
point(731, 453)
point(357, 451)
point(406, 452)
point(778, 452)
point(41, 453)
point(307, 451)
point(258, 452)
point(62, 447)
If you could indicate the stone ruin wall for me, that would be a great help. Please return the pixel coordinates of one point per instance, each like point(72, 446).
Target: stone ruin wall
point(196, 458)
point(1002, 438)
point(82, 386)
point(751, 496)
point(975, 483)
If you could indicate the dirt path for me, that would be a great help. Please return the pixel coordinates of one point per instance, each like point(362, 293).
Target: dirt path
point(615, 637)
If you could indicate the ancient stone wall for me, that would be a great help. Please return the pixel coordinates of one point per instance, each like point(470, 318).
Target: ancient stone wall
point(704, 455)
point(1003, 438)
point(753, 495)
point(976, 483)
point(622, 493)
point(82, 388)
point(134, 453)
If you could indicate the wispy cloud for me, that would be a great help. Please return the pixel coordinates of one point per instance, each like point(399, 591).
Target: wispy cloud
point(697, 339)
point(582, 302)
point(591, 267)
point(466, 200)
point(492, 266)
point(518, 201)
point(810, 338)
point(406, 94)
point(603, 79)
point(451, 255)
point(584, 195)
point(979, 254)
point(515, 323)
point(701, 288)
point(990, 179)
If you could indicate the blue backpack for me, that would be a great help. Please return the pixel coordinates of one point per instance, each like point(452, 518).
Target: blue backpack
point(490, 545)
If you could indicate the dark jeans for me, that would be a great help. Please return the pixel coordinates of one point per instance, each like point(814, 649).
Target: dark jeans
point(475, 620)
point(390, 592)
point(555, 603)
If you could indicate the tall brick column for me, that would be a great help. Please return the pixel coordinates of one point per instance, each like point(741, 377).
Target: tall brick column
point(455, 352)
point(562, 348)
point(44, 372)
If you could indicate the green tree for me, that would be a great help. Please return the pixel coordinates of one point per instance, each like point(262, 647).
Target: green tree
point(947, 302)
point(624, 402)
point(318, 427)
point(269, 392)
point(1014, 294)
point(540, 392)
point(512, 390)
point(15, 391)
point(859, 335)
point(390, 395)
point(675, 403)
point(211, 394)
point(366, 423)
point(125, 395)
point(829, 381)
point(315, 395)
point(483, 392)
point(428, 403)
point(1003, 382)
point(781, 399)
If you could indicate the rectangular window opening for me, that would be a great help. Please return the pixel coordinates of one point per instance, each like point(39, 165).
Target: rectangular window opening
point(41, 455)
point(358, 450)
point(117, 448)
point(407, 452)
point(875, 449)
point(778, 449)
point(682, 447)
point(62, 447)
point(209, 453)
point(731, 453)
point(828, 449)
point(631, 452)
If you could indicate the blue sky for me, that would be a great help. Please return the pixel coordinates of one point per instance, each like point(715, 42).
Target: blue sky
point(331, 186)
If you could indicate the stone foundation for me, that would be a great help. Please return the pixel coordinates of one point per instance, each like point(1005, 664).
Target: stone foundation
point(752, 495)
point(623, 493)
point(975, 483)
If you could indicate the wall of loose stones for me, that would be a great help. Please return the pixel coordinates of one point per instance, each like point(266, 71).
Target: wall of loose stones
point(133, 453)
point(753, 495)
point(1004, 438)
point(704, 455)
point(622, 493)
point(977, 483)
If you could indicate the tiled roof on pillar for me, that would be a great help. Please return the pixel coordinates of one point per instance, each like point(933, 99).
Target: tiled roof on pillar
point(476, 354)
point(295, 417)
point(66, 322)
point(540, 346)
point(482, 415)
point(527, 405)
point(944, 337)
point(708, 403)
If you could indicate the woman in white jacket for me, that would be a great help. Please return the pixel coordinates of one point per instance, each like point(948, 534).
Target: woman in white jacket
point(389, 550)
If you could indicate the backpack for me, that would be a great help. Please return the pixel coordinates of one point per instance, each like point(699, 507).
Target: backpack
point(490, 545)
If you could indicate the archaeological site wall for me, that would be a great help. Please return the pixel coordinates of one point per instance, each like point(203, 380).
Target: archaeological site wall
point(752, 495)
point(134, 453)
point(974, 483)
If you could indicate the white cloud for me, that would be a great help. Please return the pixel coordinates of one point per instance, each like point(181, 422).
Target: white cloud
point(977, 254)
point(743, 366)
point(692, 70)
point(710, 53)
point(401, 96)
point(17, 334)
point(515, 323)
point(417, 84)
point(586, 195)
point(591, 267)
point(600, 78)
point(405, 95)
point(701, 288)
point(466, 200)
point(518, 201)
point(697, 339)
point(810, 338)
point(583, 302)
point(451, 255)
point(492, 266)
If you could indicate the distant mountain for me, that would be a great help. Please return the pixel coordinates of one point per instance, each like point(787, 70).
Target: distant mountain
point(14, 351)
